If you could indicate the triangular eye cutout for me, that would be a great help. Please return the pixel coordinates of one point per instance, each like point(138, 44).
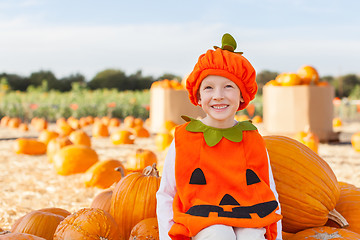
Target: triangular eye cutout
point(198, 177)
point(228, 200)
point(251, 177)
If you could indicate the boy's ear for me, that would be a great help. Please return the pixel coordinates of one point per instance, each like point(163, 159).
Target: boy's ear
point(242, 99)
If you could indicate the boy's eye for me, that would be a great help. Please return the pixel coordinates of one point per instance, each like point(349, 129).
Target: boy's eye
point(229, 86)
point(207, 87)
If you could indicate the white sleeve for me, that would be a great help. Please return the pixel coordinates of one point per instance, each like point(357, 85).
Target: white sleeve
point(273, 188)
point(165, 194)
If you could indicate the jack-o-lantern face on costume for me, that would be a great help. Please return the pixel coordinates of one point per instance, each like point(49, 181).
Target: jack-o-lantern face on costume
point(228, 206)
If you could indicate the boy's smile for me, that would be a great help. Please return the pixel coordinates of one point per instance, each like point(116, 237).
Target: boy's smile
point(220, 98)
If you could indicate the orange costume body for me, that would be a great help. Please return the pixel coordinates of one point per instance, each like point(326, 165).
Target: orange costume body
point(227, 183)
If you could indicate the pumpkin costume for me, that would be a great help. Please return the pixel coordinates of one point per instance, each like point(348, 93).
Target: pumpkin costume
point(218, 175)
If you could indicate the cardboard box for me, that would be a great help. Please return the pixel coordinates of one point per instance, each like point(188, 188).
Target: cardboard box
point(288, 110)
point(170, 104)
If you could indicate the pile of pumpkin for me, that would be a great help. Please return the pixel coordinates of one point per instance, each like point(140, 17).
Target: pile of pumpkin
point(305, 75)
point(168, 84)
point(314, 204)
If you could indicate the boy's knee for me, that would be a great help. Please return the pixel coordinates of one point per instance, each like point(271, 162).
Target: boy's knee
point(216, 232)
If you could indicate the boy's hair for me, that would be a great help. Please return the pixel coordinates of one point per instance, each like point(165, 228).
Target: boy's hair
point(226, 64)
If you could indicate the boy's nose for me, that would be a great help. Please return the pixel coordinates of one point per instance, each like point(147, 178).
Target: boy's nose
point(218, 95)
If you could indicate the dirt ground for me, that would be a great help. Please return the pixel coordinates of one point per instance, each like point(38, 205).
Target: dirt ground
point(30, 182)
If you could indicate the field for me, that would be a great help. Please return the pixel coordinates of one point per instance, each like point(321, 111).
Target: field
point(30, 182)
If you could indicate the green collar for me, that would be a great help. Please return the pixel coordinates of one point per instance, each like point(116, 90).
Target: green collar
point(213, 135)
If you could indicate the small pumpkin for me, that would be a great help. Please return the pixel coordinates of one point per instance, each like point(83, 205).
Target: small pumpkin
point(41, 223)
point(56, 144)
point(102, 200)
point(122, 136)
point(336, 122)
point(241, 117)
point(4, 121)
point(146, 229)
point(23, 127)
point(129, 121)
point(14, 122)
point(348, 206)
point(309, 139)
point(272, 82)
point(88, 224)
point(114, 122)
point(103, 173)
point(64, 129)
point(80, 137)
point(325, 233)
point(163, 140)
point(100, 129)
point(19, 236)
point(39, 124)
point(308, 75)
point(294, 166)
point(138, 122)
point(257, 119)
point(46, 135)
point(355, 141)
point(288, 79)
point(135, 191)
point(141, 159)
point(29, 146)
point(141, 132)
point(73, 159)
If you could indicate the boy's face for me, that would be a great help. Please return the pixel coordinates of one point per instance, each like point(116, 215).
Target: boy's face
point(220, 98)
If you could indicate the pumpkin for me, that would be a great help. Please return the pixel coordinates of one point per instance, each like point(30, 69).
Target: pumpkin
point(103, 174)
point(80, 137)
point(348, 206)
point(169, 125)
point(295, 166)
point(46, 135)
point(141, 132)
point(14, 122)
point(102, 200)
point(257, 119)
point(4, 121)
point(336, 122)
point(122, 136)
point(41, 223)
point(272, 83)
point(100, 129)
point(39, 124)
point(288, 79)
point(145, 229)
point(74, 123)
point(134, 199)
point(355, 141)
point(88, 224)
point(23, 127)
point(114, 122)
point(129, 121)
point(242, 117)
point(73, 159)
point(308, 75)
point(29, 146)
point(56, 144)
point(141, 159)
point(163, 140)
point(18, 236)
point(309, 139)
point(287, 236)
point(325, 233)
point(138, 122)
point(64, 129)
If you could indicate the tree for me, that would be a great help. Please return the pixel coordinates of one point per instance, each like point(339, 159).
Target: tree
point(345, 84)
point(37, 78)
point(109, 78)
point(263, 77)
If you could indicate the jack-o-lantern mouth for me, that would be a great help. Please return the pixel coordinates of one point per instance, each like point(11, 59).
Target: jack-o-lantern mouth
point(261, 209)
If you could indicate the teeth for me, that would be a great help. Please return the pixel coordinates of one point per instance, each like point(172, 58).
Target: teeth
point(220, 107)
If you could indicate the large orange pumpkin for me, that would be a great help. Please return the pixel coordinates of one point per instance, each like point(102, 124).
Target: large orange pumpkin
point(88, 224)
point(102, 200)
point(74, 159)
point(29, 146)
point(103, 173)
point(134, 199)
point(41, 223)
point(348, 206)
point(325, 233)
point(307, 187)
point(19, 236)
point(308, 75)
point(145, 229)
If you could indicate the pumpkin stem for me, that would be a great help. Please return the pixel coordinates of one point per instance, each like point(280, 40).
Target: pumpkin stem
point(151, 171)
point(4, 232)
point(338, 218)
point(121, 170)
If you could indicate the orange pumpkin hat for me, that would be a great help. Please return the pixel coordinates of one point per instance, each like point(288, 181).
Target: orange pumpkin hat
point(226, 63)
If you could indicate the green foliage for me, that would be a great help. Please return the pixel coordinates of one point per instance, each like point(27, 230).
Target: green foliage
point(263, 77)
point(355, 93)
point(345, 84)
point(54, 104)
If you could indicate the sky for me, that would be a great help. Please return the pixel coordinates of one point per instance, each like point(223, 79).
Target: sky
point(158, 37)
